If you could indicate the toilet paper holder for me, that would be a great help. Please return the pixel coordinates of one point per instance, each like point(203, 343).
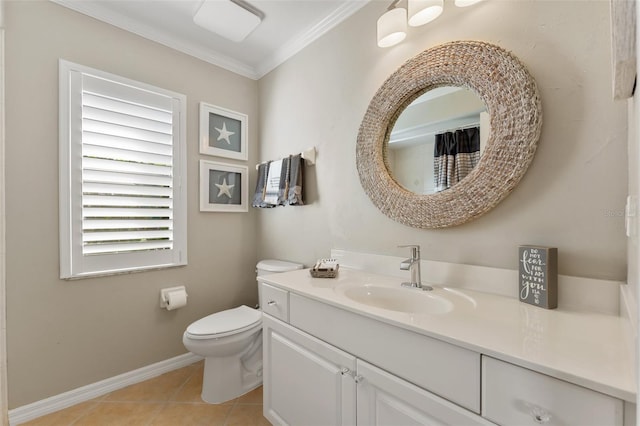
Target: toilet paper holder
point(164, 294)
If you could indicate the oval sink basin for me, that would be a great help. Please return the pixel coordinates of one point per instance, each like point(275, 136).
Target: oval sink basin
point(399, 299)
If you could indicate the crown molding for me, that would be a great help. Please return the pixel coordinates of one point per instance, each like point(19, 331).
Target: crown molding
point(94, 10)
point(285, 52)
point(295, 45)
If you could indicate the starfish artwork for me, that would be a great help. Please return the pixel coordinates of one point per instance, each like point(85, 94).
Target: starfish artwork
point(224, 133)
point(224, 188)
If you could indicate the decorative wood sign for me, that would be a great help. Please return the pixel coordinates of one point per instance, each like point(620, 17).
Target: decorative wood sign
point(539, 276)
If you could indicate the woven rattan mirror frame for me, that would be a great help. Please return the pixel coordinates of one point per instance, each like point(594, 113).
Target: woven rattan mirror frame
point(513, 103)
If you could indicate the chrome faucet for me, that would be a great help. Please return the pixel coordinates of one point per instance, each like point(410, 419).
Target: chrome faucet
point(413, 266)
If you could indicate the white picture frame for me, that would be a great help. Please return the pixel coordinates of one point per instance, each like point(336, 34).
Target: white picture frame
point(223, 187)
point(223, 133)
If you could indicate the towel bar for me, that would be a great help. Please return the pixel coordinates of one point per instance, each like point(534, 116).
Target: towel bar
point(309, 156)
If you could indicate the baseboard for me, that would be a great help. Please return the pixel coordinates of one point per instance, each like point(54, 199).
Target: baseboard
point(94, 390)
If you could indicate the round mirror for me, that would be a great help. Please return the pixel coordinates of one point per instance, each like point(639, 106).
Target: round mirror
point(512, 102)
point(438, 139)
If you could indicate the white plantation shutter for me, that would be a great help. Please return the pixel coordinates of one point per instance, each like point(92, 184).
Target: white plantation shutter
point(124, 152)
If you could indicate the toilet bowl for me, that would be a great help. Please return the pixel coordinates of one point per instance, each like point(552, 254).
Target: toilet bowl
point(231, 344)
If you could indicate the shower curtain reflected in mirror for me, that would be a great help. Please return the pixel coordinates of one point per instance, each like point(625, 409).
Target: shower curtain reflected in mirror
point(455, 155)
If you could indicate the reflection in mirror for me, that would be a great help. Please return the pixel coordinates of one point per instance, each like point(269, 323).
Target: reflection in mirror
point(438, 139)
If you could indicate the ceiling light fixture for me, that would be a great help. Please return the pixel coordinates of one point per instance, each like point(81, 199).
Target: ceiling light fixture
point(392, 25)
point(424, 11)
point(227, 18)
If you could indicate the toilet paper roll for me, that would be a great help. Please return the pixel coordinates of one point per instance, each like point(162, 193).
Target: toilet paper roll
point(176, 299)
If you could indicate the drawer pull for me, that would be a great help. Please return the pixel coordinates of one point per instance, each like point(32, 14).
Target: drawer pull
point(540, 416)
point(272, 303)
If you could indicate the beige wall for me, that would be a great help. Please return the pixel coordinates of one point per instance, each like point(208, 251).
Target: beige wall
point(572, 196)
point(62, 335)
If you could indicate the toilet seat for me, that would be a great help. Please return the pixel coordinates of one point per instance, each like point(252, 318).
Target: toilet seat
point(225, 323)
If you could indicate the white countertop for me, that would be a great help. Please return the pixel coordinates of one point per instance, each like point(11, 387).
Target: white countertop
point(588, 349)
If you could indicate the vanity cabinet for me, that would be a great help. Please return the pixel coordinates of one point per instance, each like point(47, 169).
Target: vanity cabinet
point(319, 369)
point(326, 365)
point(309, 382)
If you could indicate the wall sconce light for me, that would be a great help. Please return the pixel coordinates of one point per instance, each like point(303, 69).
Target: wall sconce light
point(392, 25)
point(424, 11)
point(465, 3)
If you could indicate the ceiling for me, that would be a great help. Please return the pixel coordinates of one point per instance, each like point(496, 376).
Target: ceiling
point(287, 27)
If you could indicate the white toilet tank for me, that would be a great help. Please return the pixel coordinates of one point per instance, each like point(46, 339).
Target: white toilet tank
point(273, 266)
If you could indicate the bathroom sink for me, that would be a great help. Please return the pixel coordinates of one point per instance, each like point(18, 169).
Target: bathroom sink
point(398, 299)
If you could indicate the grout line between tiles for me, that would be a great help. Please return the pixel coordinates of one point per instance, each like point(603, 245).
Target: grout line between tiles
point(157, 413)
point(84, 413)
point(184, 383)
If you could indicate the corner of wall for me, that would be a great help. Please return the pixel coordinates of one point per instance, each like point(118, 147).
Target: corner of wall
point(633, 254)
point(629, 292)
point(3, 323)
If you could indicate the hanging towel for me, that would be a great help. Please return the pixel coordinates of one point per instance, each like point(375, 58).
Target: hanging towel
point(276, 182)
point(280, 183)
point(261, 186)
point(294, 180)
point(272, 186)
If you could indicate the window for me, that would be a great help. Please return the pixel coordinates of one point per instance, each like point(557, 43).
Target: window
point(122, 174)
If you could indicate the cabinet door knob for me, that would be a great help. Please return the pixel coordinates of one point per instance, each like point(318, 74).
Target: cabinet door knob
point(540, 416)
point(345, 371)
point(272, 303)
point(358, 378)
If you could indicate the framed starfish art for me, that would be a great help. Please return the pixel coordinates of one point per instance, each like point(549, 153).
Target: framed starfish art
point(223, 132)
point(223, 187)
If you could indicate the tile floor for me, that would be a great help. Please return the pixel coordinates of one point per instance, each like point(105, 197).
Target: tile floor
point(172, 399)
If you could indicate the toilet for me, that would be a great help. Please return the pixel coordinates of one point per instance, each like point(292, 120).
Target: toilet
point(231, 344)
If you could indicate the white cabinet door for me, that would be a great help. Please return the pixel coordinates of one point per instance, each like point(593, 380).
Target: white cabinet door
point(384, 399)
point(306, 381)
